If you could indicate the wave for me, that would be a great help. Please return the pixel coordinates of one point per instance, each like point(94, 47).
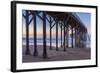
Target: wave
point(40, 41)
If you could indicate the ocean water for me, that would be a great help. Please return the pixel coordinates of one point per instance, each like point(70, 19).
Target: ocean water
point(40, 42)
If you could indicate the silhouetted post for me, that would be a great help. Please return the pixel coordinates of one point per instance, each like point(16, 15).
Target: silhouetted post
point(35, 37)
point(72, 37)
point(44, 36)
point(56, 35)
point(64, 37)
point(85, 40)
point(50, 35)
point(27, 52)
point(79, 39)
point(67, 36)
point(75, 37)
point(61, 34)
point(82, 39)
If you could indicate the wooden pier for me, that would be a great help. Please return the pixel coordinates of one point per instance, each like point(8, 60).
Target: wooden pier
point(66, 21)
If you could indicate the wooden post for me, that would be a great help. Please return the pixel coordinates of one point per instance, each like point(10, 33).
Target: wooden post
point(61, 35)
point(44, 36)
point(67, 32)
point(72, 37)
point(50, 35)
point(79, 40)
point(85, 40)
point(27, 34)
point(35, 37)
point(64, 37)
point(75, 37)
point(56, 35)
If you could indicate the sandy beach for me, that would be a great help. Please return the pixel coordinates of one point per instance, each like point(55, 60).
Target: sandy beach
point(53, 55)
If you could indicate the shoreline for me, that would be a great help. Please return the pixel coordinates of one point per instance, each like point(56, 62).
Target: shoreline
point(53, 55)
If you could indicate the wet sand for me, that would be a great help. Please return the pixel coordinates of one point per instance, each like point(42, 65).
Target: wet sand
point(53, 55)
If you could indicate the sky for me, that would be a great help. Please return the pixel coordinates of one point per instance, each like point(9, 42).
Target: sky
point(85, 18)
